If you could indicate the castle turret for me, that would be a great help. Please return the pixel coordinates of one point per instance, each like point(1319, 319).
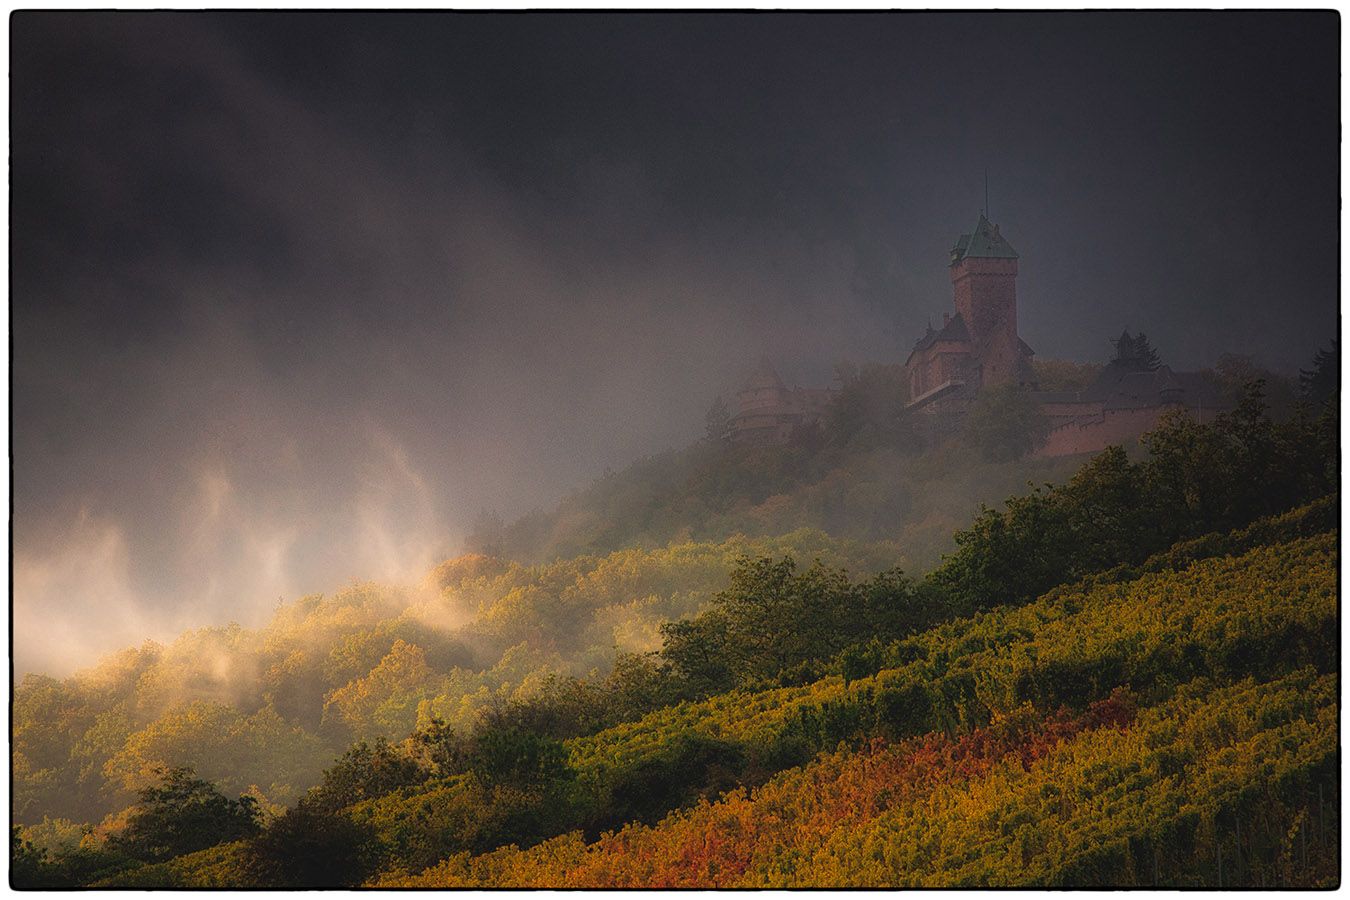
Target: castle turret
point(769, 412)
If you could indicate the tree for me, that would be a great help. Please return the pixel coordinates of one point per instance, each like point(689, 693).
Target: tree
point(1135, 353)
point(1197, 479)
point(1234, 372)
point(308, 847)
point(1316, 430)
point(775, 624)
point(718, 421)
point(519, 759)
point(1005, 424)
point(1107, 512)
point(184, 814)
point(364, 771)
point(1324, 379)
point(29, 866)
point(1009, 556)
point(565, 706)
point(1221, 476)
point(770, 613)
point(696, 650)
point(1145, 356)
point(869, 409)
point(637, 684)
point(393, 685)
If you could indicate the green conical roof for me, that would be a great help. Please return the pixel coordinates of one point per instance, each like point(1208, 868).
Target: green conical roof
point(985, 242)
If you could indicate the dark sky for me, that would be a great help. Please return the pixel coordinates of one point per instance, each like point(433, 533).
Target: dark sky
point(295, 295)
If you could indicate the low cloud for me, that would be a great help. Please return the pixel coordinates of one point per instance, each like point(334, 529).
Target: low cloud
point(284, 324)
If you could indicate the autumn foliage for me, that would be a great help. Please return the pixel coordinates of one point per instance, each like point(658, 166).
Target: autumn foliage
point(1126, 680)
point(1109, 797)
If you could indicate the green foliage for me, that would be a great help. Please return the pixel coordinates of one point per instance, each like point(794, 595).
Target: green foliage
point(219, 867)
point(363, 772)
point(258, 753)
point(564, 715)
point(718, 423)
point(869, 410)
point(1323, 381)
point(29, 867)
point(308, 847)
point(563, 706)
point(1264, 613)
point(56, 836)
point(34, 868)
point(690, 767)
point(1005, 423)
point(1242, 466)
point(413, 831)
point(1196, 479)
point(1233, 374)
point(184, 814)
point(384, 700)
point(1063, 374)
point(772, 623)
point(697, 649)
point(517, 758)
point(1267, 612)
point(1319, 517)
point(1135, 353)
point(1049, 536)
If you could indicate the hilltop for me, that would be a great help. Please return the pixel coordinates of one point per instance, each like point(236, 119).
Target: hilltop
point(869, 470)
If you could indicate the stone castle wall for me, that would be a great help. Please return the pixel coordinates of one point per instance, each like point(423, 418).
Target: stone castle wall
point(1112, 426)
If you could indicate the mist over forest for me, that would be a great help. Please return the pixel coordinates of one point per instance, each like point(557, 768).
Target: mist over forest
point(295, 301)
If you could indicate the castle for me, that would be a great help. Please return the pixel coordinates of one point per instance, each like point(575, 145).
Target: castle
point(978, 348)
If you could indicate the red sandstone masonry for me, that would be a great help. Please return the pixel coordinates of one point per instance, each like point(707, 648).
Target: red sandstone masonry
point(1114, 427)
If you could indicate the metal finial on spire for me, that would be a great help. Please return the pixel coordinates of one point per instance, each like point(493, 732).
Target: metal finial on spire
point(986, 193)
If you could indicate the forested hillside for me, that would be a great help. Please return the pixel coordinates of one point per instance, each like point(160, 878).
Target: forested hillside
point(868, 472)
point(264, 711)
point(1127, 678)
point(871, 471)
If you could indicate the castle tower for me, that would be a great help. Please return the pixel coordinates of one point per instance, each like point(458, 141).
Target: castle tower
point(984, 281)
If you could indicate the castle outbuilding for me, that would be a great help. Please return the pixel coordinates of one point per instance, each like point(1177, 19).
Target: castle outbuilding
point(770, 412)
